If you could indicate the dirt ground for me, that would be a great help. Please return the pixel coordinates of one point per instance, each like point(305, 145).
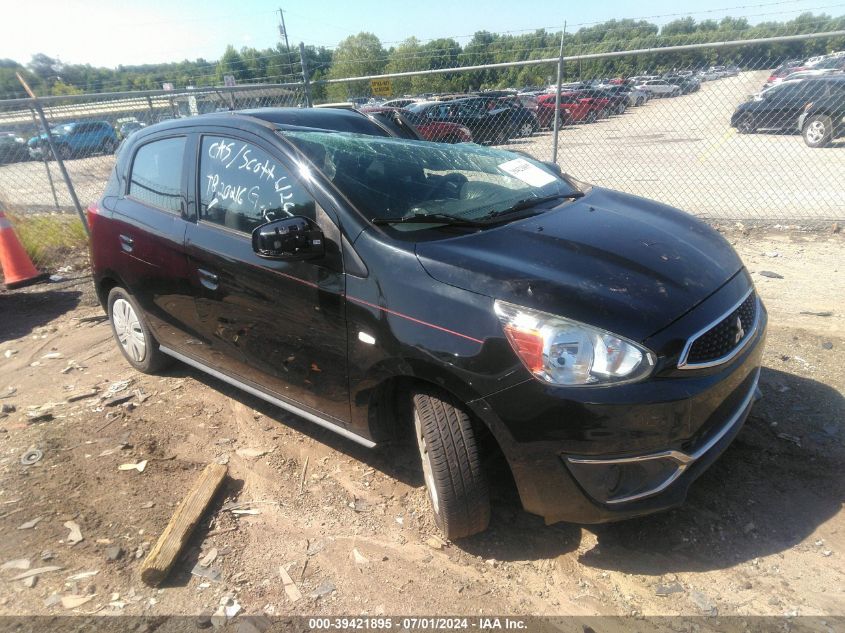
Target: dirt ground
point(762, 533)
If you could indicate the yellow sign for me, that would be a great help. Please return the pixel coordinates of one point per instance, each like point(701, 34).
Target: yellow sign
point(381, 87)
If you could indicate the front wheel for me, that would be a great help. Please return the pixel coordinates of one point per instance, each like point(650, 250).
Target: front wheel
point(132, 333)
point(818, 131)
point(526, 129)
point(456, 485)
point(745, 124)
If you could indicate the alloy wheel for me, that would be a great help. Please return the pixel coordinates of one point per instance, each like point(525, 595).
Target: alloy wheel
point(428, 469)
point(128, 329)
point(815, 132)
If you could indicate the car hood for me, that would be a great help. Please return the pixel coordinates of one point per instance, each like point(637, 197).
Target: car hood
point(754, 104)
point(623, 263)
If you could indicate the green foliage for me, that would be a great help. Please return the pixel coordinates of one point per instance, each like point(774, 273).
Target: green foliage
point(364, 54)
point(356, 56)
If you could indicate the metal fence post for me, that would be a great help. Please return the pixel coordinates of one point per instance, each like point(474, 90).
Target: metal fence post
point(305, 78)
point(46, 167)
point(557, 97)
point(59, 161)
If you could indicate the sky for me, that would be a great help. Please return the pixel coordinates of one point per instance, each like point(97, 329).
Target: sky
point(109, 34)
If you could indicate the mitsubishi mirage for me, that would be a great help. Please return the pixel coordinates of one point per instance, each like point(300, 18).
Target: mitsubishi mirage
point(476, 299)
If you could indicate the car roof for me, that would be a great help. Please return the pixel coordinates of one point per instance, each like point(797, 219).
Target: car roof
point(335, 119)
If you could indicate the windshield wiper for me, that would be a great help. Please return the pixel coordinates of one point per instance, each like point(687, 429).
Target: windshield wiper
point(527, 203)
point(429, 218)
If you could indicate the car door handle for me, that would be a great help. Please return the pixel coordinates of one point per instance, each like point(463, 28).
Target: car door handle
point(208, 279)
point(126, 243)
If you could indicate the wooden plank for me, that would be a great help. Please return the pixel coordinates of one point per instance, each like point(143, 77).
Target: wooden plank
point(161, 558)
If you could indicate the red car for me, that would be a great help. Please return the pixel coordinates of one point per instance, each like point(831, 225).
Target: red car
point(578, 109)
point(438, 131)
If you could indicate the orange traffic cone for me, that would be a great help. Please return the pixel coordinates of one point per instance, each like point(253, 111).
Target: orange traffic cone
point(18, 270)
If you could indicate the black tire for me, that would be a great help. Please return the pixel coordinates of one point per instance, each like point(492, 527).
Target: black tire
point(151, 361)
point(640, 101)
point(455, 481)
point(818, 131)
point(64, 152)
point(109, 145)
point(620, 108)
point(591, 116)
point(745, 124)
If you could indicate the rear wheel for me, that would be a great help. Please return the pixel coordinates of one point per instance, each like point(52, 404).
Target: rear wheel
point(65, 153)
point(457, 487)
point(818, 131)
point(132, 333)
point(109, 145)
point(591, 116)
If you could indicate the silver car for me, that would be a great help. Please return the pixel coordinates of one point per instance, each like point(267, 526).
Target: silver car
point(659, 88)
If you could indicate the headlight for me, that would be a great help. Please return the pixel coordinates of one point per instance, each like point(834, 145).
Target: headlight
point(565, 352)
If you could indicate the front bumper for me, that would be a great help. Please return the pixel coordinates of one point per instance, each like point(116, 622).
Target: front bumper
point(621, 452)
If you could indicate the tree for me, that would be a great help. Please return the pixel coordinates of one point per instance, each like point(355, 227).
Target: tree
point(684, 26)
point(356, 56)
point(232, 64)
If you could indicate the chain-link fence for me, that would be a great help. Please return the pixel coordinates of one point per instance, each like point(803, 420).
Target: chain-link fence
point(752, 137)
point(85, 131)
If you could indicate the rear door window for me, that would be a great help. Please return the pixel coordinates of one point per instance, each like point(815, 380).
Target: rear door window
point(243, 187)
point(156, 176)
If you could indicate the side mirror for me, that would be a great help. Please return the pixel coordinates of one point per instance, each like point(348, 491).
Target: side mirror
point(289, 239)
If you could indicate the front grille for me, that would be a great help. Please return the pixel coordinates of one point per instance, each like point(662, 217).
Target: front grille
point(724, 337)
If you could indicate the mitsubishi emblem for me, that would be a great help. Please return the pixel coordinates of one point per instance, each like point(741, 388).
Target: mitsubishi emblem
point(740, 332)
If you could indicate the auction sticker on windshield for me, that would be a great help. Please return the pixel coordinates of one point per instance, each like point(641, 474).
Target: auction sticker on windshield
point(527, 173)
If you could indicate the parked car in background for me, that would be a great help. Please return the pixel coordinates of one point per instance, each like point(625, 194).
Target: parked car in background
point(490, 127)
point(640, 79)
point(785, 69)
point(528, 101)
point(779, 107)
point(523, 120)
point(613, 101)
point(429, 130)
point(687, 84)
point(75, 140)
point(13, 148)
point(712, 73)
point(580, 108)
point(822, 120)
point(399, 103)
point(546, 110)
point(802, 74)
point(660, 88)
point(130, 127)
point(463, 297)
point(634, 96)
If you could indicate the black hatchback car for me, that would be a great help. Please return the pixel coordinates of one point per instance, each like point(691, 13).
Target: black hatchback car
point(607, 345)
point(778, 107)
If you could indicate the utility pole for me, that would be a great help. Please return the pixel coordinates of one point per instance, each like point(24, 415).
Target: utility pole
point(284, 33)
